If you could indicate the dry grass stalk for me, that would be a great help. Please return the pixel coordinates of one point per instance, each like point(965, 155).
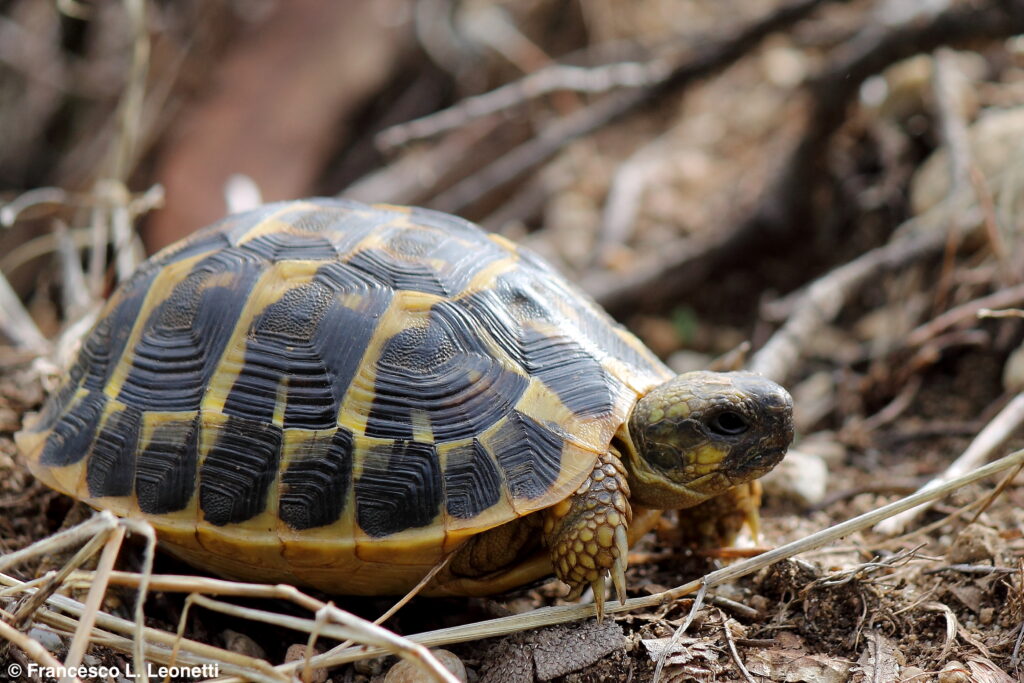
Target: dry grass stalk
point(496, 627)
point(993, 436)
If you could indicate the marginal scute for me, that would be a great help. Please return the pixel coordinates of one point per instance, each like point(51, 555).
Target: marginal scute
point(445, 371)
point(182, 340)
point(111, 467)
point(165, 471)
point(399, 488)
point(472, 482)
point(236, 475)
point(73, 433)
point(315, 487)
point(529, 454)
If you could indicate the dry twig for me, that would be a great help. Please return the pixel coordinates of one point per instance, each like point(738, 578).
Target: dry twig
point(994, 435)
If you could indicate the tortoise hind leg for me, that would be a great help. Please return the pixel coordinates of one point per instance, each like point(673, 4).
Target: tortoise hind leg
point(587, 532)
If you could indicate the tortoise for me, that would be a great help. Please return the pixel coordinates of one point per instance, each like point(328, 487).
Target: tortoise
point(341, 396)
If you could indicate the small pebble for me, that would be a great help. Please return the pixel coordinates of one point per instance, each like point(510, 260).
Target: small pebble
point(47, 638)
point(1013, 371)
point(976, 543)
point(826, 446)
point(954, 672)
point(242, 644)
point(298, 651)
point(913, 673)
point(800, 477)
point(406, 672)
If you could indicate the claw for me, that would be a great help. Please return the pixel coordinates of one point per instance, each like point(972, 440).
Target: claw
point(619, 566)
point(753, 520)
point(600, 595)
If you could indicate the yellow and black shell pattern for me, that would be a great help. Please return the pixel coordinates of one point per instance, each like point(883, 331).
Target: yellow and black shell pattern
point(326, 391)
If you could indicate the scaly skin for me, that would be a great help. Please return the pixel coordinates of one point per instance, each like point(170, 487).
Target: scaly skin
point(587, 533)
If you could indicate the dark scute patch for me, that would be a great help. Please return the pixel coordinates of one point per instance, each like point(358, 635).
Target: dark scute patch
point(427, 260)
point(400, 488)
point(569, 370)
point(110, 470)
point(398, 273)
point(315, 487)
point(596, 325)
point(508, 313)
point(59, 401)
point(445, 371)
point(165, 471)
point(313, 344)
point(285, 246)
point(105, 343)
point(350, 222)
point(412, 243)
point(449, 224)
point(208, 239)
point(327, 215)
point(529, 455)
point(278, 349)
point(182, 340)
point(472, 482)
point(237, 473)
point(73, 434)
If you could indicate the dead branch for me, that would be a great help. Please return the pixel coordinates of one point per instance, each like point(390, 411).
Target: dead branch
point(786, 211)
point(553, 137)
point(994, 435)
point(597, 79)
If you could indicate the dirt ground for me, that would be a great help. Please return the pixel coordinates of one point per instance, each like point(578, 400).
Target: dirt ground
point(836, 184)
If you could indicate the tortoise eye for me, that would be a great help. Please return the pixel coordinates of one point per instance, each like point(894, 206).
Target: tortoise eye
point(728, 423)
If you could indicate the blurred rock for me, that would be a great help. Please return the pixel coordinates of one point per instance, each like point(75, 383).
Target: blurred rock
point(954, 672)
point(976, 543)
point(826, 446)
point(242, 644)
point(785, 66)
point(1013, 371)
point(297, 652)
point(47, 638)
point(801, 477)
point(996, 141)
point(813, 399)
point(906, 88)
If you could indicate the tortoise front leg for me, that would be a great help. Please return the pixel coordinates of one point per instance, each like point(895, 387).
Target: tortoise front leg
point(586, 533)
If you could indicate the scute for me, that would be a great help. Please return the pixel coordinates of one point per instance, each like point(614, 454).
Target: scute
point(316, 486)
point(165, 470)
point(111, 467)
point(444, 371)
point(399, 488)
point(237, 473)
point(331, 380)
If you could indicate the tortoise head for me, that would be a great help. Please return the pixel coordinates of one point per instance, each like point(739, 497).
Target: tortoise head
point(702, 433)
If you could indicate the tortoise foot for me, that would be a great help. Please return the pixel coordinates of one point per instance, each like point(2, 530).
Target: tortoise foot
point(587, 536)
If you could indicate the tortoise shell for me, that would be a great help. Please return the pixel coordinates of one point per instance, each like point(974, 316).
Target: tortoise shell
point(338, 394)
